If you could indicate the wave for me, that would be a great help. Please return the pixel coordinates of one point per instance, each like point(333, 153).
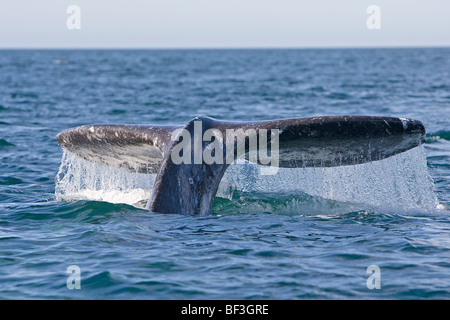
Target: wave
point(5, 143)
point(9, 181)
point(438, 135)
point(285, 204)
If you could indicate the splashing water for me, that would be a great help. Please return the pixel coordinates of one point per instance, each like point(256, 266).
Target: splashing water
point(78, 179)
point(401, 182)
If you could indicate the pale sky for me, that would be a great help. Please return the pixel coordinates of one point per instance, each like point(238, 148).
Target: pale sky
point(223, 23)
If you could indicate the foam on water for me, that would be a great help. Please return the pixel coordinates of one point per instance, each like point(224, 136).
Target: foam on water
point(400, 182)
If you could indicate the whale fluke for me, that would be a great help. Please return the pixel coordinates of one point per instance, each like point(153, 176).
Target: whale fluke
point(190, 160)
point(130, 147)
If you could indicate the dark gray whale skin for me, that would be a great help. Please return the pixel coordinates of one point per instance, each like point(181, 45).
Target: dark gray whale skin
point(198, 183)
point(191, 188)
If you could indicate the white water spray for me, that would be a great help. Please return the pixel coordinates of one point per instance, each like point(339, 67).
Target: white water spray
point(400, 182)
point(78, 179)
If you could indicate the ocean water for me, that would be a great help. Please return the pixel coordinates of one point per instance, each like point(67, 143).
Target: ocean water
point(302, 234)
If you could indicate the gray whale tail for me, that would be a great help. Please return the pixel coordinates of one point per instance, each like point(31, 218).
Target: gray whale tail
point(190, 160)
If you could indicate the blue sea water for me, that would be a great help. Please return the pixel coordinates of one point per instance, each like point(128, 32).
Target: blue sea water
point(258, 243)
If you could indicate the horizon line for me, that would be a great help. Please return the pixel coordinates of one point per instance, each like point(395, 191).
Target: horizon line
point(439, 46)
